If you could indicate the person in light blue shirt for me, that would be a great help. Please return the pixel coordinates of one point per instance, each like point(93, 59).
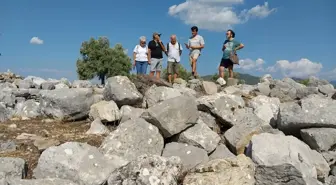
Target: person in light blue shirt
point(230, 44)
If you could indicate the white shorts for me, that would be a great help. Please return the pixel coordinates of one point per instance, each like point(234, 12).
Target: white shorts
point(193, 56)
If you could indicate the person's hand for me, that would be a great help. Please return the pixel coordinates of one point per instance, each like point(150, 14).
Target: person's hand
point(134, 63)
point(186, 45)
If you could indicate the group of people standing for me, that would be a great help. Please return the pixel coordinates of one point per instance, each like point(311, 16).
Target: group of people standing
point(152, 54)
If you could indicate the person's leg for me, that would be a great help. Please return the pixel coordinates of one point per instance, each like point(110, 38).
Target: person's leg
point(194, 61)
point(169, 70)
point(221, 68)
point(153, 66)
point(138, 67)
point(144, 67)
point(176, 70)
point(159, 68)
point(230, 71)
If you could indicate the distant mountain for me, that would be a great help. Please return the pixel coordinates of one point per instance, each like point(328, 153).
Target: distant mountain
point(333, 82)
point(249, 79)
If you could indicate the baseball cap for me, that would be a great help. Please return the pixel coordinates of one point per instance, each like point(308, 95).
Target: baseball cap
point(156, 33)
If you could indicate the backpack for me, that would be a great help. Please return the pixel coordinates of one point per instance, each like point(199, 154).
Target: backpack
point(178, 46)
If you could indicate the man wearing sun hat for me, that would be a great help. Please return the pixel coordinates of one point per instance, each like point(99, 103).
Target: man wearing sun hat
point(155, 50)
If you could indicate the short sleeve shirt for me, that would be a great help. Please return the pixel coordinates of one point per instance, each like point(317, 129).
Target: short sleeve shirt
point(174, 52)
point(196, 41)
point(229, 45)
point(141, 53)
point(156, 50)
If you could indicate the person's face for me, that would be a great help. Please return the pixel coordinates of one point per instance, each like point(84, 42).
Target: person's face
point(173, 40)
point(228, 34)
point(157, 37)
point(193, 32)
point(142, 43)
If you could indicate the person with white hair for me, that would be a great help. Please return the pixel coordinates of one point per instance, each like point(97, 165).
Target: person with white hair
point(141, 57)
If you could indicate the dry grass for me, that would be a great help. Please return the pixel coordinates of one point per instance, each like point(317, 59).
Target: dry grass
point(63, 132)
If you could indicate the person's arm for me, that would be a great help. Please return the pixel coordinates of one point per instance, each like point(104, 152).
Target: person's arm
point(134, 55)
point(240, 46)
point(163, 48)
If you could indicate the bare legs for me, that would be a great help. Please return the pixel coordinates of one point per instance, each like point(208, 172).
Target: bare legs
point(221, 71)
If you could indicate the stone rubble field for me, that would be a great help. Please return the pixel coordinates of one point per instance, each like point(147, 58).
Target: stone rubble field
point(142, 131)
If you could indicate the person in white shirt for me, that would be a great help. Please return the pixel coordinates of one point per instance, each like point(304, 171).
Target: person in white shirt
point(195, 45)
point(141, 57)
point(174, 51)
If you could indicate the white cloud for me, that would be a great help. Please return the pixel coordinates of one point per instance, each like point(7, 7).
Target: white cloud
point(329, 75)
point(249, 64)
point(216, 15)
point(36, 40)
point(261, 11)
point(300, 69)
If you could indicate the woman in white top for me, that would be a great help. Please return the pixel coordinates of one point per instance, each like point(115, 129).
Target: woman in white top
point(140, 56)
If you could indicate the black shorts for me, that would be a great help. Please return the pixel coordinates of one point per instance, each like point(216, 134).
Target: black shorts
point(226, 63)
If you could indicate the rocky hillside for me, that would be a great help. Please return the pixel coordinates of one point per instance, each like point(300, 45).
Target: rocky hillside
point(144, 131)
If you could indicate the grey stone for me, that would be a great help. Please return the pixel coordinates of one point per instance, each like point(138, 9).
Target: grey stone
point(37, 81)
point(265, 108)
point(122, 91)
point(326, 89)
point(239, 136)
point(128, 112)
point(61, 86)
point(190, 156)
point(277, 152)
point(331, 180)
point(133, 138)
point(78, 162)
point(98, 128)
point(156, 94)
point(200, 135)
point(315, 82)
point(313, 111)
point(106, 111)
point(148, 169)
point(209, 87)
point(47, 181)
point(81, 84)
point(173, 115)
point(13, 167)
point(29, 109)
point(48, 85)
point(7, 146)
point(66, 104)
point(44, 143)
point(5, 114)
point(221, 152)
point(232, 82)
point(209, 120)
point(223, 106)
point(320, 139)
point(266, 78)
point(24, 84)
point(7, 98)
point(231, 171)
point(330, 157)
point(264, 88)
point(26, 93)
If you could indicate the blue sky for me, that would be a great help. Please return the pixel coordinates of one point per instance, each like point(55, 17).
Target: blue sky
point(283, 38)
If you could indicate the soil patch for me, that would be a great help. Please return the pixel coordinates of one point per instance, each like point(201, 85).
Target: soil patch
point(61, 131)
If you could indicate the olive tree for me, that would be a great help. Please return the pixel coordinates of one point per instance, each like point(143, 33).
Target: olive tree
point(98, 59)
